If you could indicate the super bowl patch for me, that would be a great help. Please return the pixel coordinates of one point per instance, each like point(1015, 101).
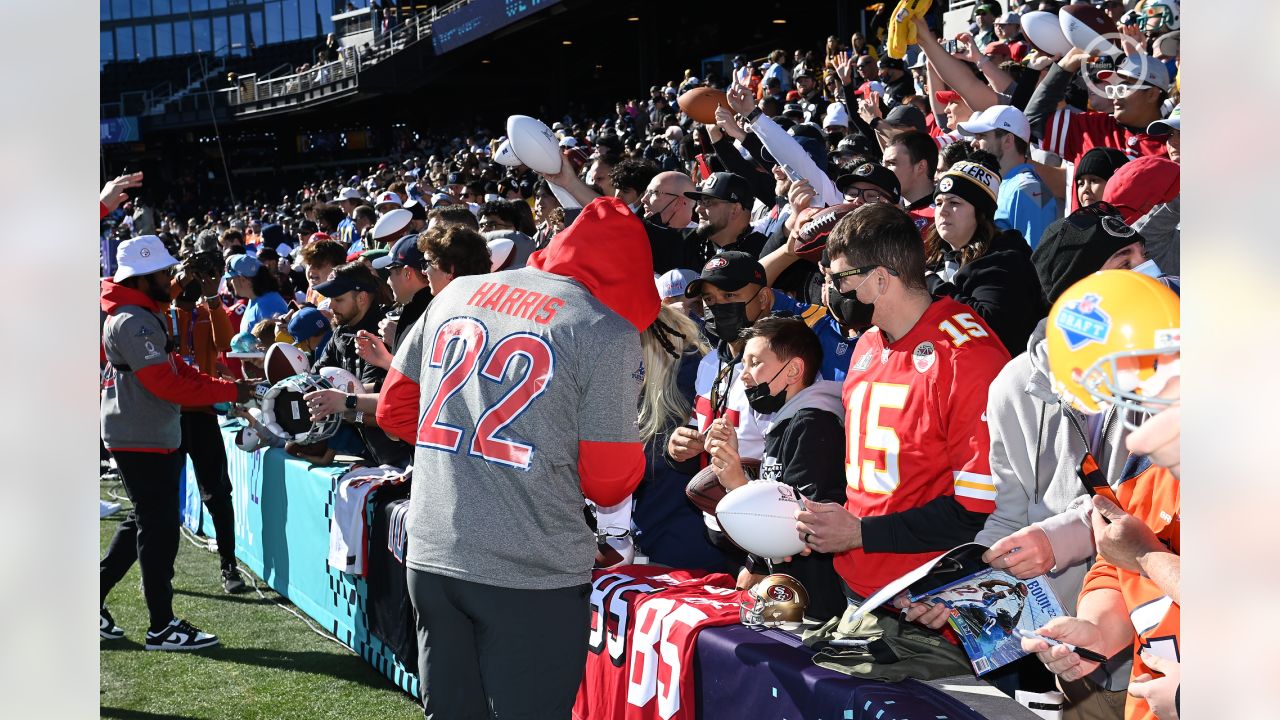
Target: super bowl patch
point(923, 356)
point(1083, 321)
point(863, 363)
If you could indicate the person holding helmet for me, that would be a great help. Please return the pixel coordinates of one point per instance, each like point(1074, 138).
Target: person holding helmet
point(144, 387)
point(975, 263)
point(1114, 340)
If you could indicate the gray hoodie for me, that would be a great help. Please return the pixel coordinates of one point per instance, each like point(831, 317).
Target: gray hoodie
point(1035, 450)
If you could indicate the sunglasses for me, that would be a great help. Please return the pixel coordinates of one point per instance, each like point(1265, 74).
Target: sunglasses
point(1119, 92)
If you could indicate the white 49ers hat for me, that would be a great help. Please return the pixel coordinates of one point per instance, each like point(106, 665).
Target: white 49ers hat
point(142, 255)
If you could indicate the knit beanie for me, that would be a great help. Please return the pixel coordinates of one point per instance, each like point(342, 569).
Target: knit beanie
point(972, 183)
point(1101, 162)
point(1076, 246)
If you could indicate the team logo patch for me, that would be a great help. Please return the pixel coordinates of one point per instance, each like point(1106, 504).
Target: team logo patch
point(863, 363)
point(145, 252)
point(1169, 338)
point(715, 263)
point(842, 348)
point(152, 352)
point(863, 169)
point(923, 356)
point(781, 593)
point(1083, 321)
point(1115, 227)
point(638, 375)
point(945, 184)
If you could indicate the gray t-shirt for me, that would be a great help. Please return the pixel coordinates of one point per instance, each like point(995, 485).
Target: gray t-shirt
point(131, 417)
point(516, 369)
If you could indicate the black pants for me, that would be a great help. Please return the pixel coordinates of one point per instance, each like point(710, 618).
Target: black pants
point(150, 533)
point(486, 651)
point(202, 441)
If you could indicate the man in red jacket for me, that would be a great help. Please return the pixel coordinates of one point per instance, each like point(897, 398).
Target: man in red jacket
point(144, 386)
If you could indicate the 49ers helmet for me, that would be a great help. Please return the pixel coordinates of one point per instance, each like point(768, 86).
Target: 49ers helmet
point(1114, 338)
point(776, 600)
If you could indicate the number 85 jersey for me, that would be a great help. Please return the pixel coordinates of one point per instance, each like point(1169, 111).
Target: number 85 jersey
point(916, 460)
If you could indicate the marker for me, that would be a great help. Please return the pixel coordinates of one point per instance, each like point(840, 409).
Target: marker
point(1085, 653)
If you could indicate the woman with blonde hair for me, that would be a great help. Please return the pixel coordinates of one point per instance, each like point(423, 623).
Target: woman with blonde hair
point(669, 530)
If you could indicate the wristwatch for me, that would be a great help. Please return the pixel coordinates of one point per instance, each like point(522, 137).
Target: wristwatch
point(351, 401)
point(755, 113)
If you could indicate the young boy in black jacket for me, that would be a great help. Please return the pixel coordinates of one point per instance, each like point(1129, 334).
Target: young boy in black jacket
point(803, 445)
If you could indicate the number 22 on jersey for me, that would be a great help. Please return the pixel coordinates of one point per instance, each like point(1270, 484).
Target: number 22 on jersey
point(862, 473)
point(471, 334)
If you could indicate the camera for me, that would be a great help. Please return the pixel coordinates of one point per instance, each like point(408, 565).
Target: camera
point(208, 264)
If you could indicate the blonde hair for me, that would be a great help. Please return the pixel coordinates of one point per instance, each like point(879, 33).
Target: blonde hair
point(661, 402)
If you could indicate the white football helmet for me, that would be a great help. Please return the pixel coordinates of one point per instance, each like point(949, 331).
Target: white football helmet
point(285, 413)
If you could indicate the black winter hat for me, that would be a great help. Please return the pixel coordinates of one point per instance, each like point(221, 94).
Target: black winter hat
point(1078, 245)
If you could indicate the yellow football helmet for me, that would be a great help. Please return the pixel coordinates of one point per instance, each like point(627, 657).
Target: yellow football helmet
point(1114, 339)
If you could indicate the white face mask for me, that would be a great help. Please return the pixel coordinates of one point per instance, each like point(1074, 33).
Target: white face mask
point(1149, 268)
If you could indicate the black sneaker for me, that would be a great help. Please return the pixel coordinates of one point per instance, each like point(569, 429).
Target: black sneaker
point(231, 581)
point(107, 628)
point(180, 635)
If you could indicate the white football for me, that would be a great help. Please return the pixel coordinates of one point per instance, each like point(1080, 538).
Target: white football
point(247, 439)
point(760, 517)
point(1075, 28)
point(507, 156)
point(534, 143)
point(1045, 32)
point(342, 379)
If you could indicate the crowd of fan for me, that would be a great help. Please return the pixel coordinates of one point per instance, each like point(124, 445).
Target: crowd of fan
point(976, 169)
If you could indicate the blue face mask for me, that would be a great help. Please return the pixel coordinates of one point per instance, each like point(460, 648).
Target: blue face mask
point(1149, 268)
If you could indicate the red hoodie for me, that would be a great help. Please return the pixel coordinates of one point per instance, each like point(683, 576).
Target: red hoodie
point(1141, 184)
point(174, 381)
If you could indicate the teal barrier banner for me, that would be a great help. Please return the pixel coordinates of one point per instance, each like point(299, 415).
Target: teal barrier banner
point(282, 508)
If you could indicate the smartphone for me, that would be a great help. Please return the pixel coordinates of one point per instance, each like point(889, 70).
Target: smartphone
point(951, 46)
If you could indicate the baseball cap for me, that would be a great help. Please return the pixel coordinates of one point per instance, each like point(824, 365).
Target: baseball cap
point(440, 197)
point(341, 285)
point(988, 8)
point(998, 117)
point(921, 62)
point(404, 252)
point(803, 71)
point(242, 266)
point(836, 116)
point(874, 173)
point(906, 116)
point(997, 48)
point(730, 270)
point(569, 142)
point(391, 221)
point(948, 96)
point(349, 193)
point(308, 323)
point(971, 182)
point(672, 283)
point(1143, 68)
point(724, 186)
point(388, 197)
point(142, 255)
point(891, 63)
point(793, 107)
point(1009, 18)
point(417, 209)
point(1167, 125)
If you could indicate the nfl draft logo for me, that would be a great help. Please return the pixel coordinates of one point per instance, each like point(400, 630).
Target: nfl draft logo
point(1083, 321)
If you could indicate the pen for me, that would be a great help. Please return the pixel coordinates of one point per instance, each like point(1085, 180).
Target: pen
point(1085, 653)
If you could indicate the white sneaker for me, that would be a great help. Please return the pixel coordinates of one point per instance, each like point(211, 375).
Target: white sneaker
point(107, 628)
point(107, 508)
point(180, 635)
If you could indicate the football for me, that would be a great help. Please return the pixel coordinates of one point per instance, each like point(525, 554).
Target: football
point(534, 144)
point(760, 518)
point(342, 379)
point(816, 224)
point(284, 360)
point(705, 491)
point(700, 103)
point(1084, 26)
point(507, 156)
point(1043, 30)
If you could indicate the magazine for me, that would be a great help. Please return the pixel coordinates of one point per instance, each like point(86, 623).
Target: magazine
point(986, 604)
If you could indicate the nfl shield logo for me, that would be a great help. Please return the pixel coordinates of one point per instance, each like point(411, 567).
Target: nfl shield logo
point(1083, 321)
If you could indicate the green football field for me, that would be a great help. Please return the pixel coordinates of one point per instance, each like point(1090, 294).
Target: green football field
point(270, 664)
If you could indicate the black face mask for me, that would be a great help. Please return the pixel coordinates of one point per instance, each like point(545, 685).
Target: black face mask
point(726, 321)
point(848, 310)
point(764, 402)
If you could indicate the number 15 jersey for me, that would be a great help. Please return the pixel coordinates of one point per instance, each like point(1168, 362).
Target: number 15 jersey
point(917, 435)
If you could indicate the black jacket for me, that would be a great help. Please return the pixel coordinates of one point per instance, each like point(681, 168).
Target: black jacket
point(341, 352)
point(1001, 286)
point(414, 309)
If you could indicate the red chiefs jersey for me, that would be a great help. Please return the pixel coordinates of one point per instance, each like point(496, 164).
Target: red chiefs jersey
point(644, 622)
point(915, 414)
point(1072, 134)
point(1153, 495)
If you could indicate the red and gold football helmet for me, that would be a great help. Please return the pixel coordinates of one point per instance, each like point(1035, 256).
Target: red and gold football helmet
point(777, 600)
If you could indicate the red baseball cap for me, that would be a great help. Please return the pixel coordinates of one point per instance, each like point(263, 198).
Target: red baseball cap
point(947, 97)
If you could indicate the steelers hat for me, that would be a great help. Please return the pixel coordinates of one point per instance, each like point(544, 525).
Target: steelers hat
point(972, 183)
